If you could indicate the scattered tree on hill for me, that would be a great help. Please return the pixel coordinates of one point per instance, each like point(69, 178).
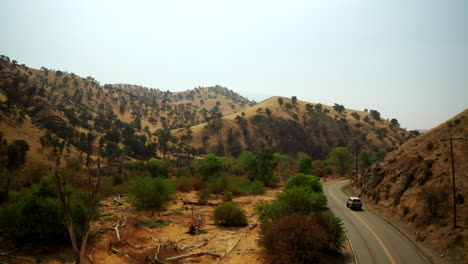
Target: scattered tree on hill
point(378, 156)
point(356, 115)
point(341, 158)
point(280, 101)
point(294, 100)
point(319, 107)
point(12, 157)
point(395, 122)
point(164, 137)
point(375, 114)
point(364, 160)
point(339, 108)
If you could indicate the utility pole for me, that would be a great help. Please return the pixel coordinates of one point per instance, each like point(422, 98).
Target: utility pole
point(453, 180)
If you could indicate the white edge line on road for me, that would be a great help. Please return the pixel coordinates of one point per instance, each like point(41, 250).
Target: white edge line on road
point(352, 248)
point(402, 234)
point(372, 232)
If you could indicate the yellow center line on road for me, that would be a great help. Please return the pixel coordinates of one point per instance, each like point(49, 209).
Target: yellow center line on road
point(370, 229)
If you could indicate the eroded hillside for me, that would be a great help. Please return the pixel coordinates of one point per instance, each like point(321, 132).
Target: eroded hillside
point(415, 182)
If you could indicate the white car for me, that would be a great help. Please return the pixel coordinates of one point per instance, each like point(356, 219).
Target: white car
point(354, 203)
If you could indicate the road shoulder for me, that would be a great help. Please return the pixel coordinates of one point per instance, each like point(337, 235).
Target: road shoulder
point(400, 225)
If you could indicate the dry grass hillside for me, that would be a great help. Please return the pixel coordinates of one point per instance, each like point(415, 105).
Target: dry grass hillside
point(415, 182)
point(146, 122)
point(289, 127)
point(133, 117)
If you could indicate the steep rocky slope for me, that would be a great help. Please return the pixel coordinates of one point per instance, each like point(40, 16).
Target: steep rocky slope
point(415, 182)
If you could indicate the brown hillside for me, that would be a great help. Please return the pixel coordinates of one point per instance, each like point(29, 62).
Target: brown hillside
point(202, 120)
point(73, 107)
point(415, 182)
point(300, 127)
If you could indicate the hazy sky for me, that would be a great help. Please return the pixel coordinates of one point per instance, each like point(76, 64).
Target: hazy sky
point(406, 59)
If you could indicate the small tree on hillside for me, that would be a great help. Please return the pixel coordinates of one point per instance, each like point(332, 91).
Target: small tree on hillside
point(375, 114)
point(364, 160)
point(12, 157)
point(151, 193)
point(157, 168)
point(304, 164)
point(341, 158)
point(211, 167)
point(262, 167)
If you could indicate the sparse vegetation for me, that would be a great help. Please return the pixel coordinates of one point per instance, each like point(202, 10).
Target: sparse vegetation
point(151, 193)
point(229, 214)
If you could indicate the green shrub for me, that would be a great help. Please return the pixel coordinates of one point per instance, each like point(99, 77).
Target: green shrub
point(257, 187)
point(135, 165)
point(309, 182)
point(218, 185)
point(151, 223)
point(203, 195)
point(227, 197)
point(151, 193)
point(117, 179)
point(302, 239)
point(229, 214)
point(157, 168)
point(304, 164)
point(211, 167)
point(294, 201)
point(184, 184)
point(37, 212)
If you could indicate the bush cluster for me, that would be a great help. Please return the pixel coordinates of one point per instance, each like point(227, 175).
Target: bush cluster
point(296, 227)
point(300, 238)
point(229, 214)
point(151, 193)
point(37, 213)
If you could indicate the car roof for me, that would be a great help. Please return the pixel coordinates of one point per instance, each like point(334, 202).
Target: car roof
point(354, 198)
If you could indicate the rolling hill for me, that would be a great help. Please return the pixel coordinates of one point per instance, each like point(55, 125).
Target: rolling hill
point(146, 122)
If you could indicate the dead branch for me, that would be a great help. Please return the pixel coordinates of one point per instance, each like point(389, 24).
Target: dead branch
point(227, 253)
point(186, 248)
point(117, 225)
point(120, 252)
point(117, 199)
point(194, 255)
point(159, 247)
point(8, 253)
point(251, 226)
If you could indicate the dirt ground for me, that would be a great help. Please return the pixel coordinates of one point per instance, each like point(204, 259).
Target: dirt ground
point(138, 242)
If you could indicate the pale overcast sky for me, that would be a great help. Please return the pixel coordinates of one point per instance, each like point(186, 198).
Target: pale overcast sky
point(406, 59)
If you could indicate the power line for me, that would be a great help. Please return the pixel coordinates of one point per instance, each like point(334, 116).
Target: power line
point(453, 180)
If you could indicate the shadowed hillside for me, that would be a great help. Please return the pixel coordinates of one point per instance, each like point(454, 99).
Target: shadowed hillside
point(290, 126)
point(415, 182)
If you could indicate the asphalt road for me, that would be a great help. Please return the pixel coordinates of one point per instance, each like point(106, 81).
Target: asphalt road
point(372, 239)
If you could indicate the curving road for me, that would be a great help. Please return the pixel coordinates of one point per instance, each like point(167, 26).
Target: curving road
point(371, 238)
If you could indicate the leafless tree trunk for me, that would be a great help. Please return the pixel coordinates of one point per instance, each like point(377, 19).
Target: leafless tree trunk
point(92, 205)
point(79, 249)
